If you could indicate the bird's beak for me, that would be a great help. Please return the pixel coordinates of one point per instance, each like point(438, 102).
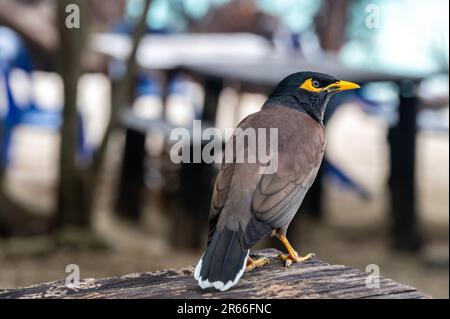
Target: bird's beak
point(341, 86)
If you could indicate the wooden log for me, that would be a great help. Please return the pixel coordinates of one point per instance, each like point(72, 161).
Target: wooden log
point(311, 279)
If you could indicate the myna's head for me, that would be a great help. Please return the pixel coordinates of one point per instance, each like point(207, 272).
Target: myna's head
point(308, 92)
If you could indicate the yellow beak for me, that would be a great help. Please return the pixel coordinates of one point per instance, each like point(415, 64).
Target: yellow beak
point(341, 86)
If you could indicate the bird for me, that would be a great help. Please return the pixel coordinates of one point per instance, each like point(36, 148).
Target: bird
point(248, 205)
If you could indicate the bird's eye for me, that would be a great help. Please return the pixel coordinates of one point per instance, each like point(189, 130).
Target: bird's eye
point(312, 85)
point(316, 84)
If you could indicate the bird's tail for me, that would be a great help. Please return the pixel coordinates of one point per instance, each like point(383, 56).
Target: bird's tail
point(224, 261)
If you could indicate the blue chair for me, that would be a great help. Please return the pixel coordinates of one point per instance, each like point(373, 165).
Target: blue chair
point(13, 54)
point(147, 85)
point(340, 176)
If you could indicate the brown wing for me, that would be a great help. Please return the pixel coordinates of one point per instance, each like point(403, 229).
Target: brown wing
point(220, 193)
point(224, 178)
point(278, 196)
point(278, 206)
point(274, 198)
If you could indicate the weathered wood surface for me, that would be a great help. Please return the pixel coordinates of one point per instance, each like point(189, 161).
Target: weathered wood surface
point(312, 279)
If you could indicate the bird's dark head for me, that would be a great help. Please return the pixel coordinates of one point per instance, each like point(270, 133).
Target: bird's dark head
point(308, 92)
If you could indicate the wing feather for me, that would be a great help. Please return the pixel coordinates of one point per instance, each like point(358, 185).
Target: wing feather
point(274, 198)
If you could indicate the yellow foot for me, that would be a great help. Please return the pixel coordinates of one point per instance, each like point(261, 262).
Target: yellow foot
point(292, 256)
point(252, 264)
point(295, 258)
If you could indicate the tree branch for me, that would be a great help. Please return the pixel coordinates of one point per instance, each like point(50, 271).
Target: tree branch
point(120, 94)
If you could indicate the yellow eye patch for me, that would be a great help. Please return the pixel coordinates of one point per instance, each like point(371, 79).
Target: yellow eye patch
point(310, 85)
point(315, 86)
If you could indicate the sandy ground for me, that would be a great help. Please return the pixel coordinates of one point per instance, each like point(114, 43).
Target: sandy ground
point(354, 232)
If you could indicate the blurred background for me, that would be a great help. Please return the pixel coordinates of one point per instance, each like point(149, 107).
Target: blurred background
point(90, 90)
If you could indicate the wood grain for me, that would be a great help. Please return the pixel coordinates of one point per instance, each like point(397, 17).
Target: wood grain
point(312, 279)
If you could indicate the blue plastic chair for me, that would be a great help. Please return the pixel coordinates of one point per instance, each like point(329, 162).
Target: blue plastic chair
point(341, 177)
point(13, 54)
point(147, 85)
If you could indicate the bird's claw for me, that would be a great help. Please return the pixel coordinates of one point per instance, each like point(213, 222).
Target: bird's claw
point(288, 263)
point(252, 264)
point(295, 258)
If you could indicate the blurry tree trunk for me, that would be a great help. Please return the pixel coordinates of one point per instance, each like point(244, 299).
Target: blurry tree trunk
point(331, 24)
point(77, 183)
point(74, 199)
point(121, 93)
point(77, 186)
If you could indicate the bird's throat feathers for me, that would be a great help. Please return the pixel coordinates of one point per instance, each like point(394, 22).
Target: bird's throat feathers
point(312, 104)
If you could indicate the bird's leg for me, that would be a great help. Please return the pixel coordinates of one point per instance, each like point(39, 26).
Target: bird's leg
point(252, 264)
point(292, 255)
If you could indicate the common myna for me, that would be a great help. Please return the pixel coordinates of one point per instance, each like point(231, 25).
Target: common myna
point(248, 205)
